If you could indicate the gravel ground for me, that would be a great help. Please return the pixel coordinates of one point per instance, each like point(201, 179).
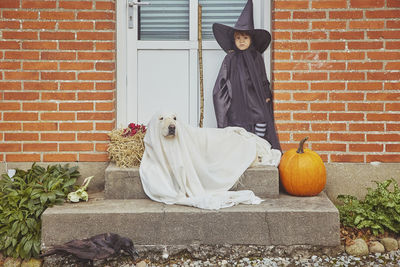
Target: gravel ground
point(342, 259)
point(390, 259)
point(387, 259)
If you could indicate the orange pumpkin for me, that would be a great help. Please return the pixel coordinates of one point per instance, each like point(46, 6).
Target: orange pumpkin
point(302, 171)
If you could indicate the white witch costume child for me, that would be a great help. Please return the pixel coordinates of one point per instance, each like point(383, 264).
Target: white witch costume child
point(242, 96)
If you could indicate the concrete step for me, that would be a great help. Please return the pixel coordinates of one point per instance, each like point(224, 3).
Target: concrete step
point(285, 220)
point(125, 183)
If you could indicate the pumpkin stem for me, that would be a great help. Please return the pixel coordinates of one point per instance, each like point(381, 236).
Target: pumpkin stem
point(300, 150)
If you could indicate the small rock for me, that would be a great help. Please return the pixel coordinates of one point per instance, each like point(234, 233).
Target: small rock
point(11, 262)
point(141, 264)
point(314, 257)
point(376, 247)
point(390, 244)
point(359, 248)
point(165, 254)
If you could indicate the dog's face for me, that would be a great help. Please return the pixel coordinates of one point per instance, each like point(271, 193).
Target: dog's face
point(167, 125)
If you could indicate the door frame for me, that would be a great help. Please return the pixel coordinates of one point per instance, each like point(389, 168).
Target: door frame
point(123, 53)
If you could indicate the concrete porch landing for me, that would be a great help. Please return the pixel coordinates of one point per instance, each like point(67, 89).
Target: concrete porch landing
point(285, 220)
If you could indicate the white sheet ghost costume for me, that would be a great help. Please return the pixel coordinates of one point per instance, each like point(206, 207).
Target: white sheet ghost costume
point(197, 166)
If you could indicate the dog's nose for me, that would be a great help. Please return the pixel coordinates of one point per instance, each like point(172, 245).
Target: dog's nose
point(171, 129)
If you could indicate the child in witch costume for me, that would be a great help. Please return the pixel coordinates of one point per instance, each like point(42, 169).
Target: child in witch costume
point(242, 96)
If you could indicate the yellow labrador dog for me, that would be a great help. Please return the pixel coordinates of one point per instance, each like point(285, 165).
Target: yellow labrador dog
point(263, 148)
point(168, 125)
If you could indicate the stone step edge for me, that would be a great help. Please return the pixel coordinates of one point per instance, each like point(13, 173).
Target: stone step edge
point(262, 180)
point(284, 221)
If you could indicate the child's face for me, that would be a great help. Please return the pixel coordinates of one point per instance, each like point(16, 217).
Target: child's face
point(242, 40)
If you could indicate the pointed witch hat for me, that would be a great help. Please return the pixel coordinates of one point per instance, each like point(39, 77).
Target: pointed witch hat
point(224, 34)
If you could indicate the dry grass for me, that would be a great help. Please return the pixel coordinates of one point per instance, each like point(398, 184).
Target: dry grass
point(126, 151)
point(349, 234)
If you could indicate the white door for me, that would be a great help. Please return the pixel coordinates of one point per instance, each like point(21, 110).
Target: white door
point(157, 56)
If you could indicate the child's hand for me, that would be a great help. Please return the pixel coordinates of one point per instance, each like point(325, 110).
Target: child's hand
point(268, 99)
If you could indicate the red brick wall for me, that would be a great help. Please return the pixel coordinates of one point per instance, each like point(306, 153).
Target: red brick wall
point(57, 79)
point(336, 75)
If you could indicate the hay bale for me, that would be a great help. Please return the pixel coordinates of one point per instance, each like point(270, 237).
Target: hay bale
point(126, 150)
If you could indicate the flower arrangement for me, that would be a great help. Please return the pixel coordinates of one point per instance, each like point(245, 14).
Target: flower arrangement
point(127, 147)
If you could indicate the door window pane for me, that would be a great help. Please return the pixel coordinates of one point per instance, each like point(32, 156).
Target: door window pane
point(164, 20)
point(220, 11)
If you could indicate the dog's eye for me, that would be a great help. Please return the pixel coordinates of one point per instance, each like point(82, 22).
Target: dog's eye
point(161, 118)
point(174, 118)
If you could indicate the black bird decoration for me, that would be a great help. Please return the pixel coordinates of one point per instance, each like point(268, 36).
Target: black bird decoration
point(97, 247)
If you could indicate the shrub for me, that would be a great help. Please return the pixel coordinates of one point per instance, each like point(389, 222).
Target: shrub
point(379, 211)
point(23, 199)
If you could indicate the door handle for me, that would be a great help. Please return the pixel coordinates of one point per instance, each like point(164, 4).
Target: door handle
point(131, 4)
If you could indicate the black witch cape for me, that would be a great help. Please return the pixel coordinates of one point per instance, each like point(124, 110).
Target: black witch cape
point(240, 94)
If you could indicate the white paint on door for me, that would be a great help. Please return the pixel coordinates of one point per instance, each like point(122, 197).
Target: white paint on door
point(163, 79)
point(164, 75)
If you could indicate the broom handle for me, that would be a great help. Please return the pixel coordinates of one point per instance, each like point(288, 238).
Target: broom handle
point(200, 68)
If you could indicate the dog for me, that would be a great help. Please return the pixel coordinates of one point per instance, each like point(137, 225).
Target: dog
point(168, 125)
point(261, 145)
point(168, 129)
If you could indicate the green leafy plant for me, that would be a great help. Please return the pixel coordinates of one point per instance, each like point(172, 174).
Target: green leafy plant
point(379, 211)
point(23, 199)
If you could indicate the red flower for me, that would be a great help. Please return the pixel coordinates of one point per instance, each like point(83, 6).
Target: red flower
point(126, 132)
point(133, 128)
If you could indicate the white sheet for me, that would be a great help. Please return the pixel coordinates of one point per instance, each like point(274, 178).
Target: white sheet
point(198, 166)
